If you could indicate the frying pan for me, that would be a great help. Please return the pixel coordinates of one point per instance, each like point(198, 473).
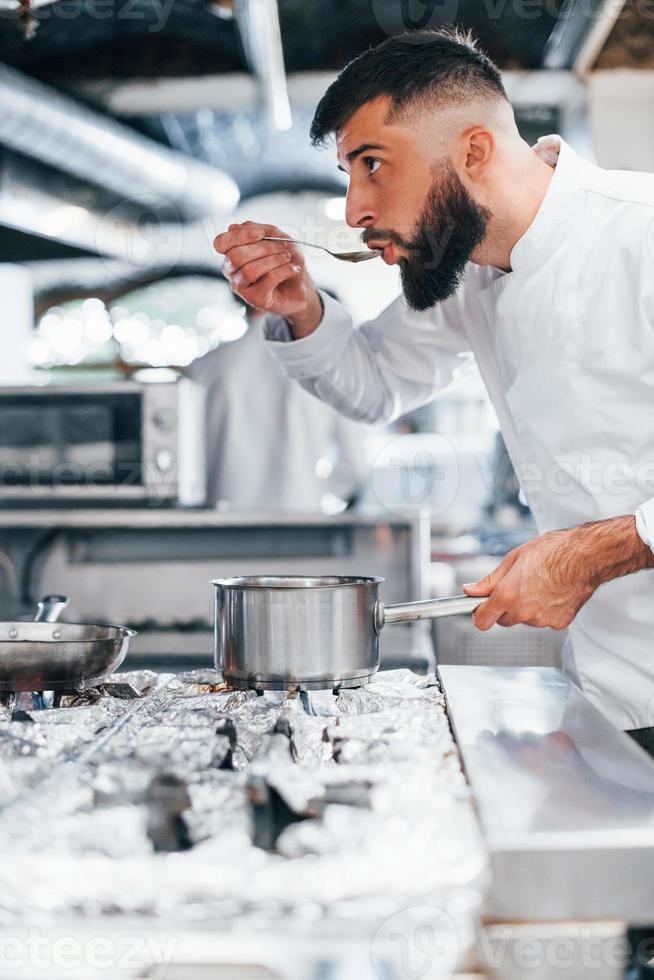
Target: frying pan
point(310, 632)
point(45, 655)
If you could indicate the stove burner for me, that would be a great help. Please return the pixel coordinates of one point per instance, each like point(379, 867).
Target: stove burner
point(227, 728)
point(306, 703)
point(167, 799)
point(21, 715)
point(271, 814)
point(26, 702)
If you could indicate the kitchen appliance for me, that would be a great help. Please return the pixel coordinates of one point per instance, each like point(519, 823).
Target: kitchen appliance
point(45, 655)
point(275, 632)
point(122, 442)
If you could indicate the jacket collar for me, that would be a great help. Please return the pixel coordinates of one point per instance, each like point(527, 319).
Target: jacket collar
point(562, 199)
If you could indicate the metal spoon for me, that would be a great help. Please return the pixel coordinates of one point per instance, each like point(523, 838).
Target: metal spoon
point(343, 256)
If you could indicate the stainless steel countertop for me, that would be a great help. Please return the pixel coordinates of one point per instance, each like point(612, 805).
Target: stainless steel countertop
point(566, 801)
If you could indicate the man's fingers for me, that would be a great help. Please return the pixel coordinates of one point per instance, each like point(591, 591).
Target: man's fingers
point(281, 274)
point(252, 272)
point(261, 294)
point(266, 287)
point(486, 585)
point(239, 256)
point(488, 613)
point(481, 588)
point(246, 233)
point(239, 235)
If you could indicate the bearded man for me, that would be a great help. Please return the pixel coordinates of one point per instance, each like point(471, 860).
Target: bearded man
point(539, 265)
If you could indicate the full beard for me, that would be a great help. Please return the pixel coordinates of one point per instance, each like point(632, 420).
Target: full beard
point(449, 229)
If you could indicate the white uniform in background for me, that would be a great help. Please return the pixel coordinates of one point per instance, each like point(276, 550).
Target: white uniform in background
point(565, 344)
point(270, 445)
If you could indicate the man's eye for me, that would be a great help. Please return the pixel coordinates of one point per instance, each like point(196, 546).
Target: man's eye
point(372, 164)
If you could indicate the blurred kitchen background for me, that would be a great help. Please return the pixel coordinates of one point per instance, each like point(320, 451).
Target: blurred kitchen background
point(147, 441)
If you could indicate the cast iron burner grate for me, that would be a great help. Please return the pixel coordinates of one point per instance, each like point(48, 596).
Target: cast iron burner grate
point(23, 703)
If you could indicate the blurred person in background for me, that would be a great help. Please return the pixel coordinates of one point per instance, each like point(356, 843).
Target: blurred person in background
point(271, 446)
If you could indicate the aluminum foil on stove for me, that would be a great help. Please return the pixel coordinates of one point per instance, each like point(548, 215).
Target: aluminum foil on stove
point(193, 801)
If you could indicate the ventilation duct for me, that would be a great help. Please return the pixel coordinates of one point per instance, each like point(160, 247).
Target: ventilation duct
point(53, 128)
point(258, 25)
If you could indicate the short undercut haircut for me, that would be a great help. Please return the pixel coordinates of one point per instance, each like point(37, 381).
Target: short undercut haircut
point(414, 71)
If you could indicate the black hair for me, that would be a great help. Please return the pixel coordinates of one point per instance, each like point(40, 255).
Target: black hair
point(417, 68)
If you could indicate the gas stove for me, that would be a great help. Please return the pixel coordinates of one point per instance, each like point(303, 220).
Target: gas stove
point(172, 797)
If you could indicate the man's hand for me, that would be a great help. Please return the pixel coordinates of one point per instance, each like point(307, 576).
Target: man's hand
point(546, 581)
point(270, 276)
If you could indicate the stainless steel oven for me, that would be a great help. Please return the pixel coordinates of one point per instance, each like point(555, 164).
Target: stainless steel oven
point(114, 443)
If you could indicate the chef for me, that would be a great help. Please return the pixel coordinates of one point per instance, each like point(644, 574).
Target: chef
point(539, 265)
point(271, 447)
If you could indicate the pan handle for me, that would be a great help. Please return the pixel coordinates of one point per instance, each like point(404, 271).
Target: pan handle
point(50, 608)
point(407, 612)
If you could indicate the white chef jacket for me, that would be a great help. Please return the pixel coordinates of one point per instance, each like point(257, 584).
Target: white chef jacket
point(565, 345)
point(270, 446)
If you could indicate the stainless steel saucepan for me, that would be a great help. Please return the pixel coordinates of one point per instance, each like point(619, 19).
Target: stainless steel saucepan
point(279, 631)
point(45, 655)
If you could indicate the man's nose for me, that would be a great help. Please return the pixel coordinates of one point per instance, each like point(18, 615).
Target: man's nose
point(359, 212)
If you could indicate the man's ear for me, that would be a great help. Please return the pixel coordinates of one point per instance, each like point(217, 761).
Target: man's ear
point(475, 152)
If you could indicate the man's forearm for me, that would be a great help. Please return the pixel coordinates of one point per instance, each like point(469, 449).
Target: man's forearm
point(608, 549)
point(545, 582)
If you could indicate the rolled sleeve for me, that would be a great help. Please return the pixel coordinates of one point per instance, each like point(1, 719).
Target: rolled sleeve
point(645, 522)
point(311, 356)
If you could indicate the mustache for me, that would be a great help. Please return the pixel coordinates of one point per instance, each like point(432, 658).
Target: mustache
point(429, 249)
point(386, 235)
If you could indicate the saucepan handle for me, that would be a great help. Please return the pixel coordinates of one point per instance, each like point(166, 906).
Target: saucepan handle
point(50, 608)
point(407, 612)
